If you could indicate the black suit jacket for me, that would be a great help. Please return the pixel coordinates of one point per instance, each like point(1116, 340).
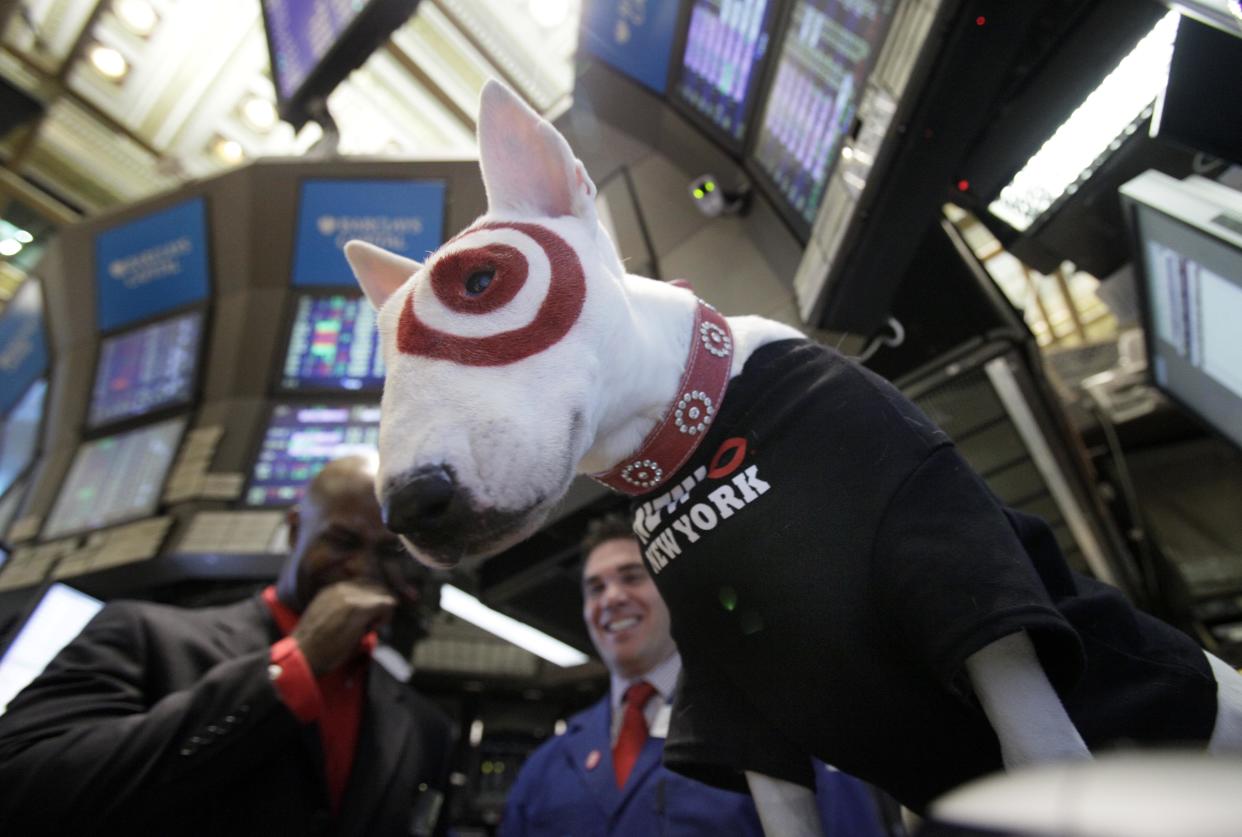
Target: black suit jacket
point(161, 720)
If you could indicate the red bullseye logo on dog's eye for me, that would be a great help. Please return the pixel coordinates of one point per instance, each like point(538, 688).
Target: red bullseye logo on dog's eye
point(482, 279)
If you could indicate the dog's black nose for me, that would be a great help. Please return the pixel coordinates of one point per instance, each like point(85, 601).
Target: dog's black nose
point(422, 502)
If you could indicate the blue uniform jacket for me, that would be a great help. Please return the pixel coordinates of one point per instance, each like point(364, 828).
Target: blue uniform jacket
point(557, 794)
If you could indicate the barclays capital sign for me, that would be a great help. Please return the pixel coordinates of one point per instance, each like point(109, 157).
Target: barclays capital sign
point(402, 216)
point(151, 265)
point(634, 36)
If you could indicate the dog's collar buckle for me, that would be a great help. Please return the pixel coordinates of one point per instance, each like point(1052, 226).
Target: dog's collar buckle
point(672, 442)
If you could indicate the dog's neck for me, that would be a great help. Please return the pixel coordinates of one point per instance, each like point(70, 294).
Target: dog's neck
point(646, 356)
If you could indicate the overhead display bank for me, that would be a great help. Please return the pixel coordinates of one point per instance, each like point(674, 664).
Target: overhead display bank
point(402, 216)
point(152, 265)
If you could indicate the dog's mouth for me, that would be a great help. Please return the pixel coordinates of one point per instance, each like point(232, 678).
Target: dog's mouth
point(489, 532)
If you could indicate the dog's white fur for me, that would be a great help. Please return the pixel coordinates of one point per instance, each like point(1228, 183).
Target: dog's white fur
point(516, 434)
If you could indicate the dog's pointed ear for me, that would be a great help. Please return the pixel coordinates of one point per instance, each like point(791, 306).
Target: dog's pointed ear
point(379, 272)
point(527, 165)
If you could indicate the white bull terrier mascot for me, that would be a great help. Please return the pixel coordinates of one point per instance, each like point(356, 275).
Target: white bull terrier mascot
point(841, 584)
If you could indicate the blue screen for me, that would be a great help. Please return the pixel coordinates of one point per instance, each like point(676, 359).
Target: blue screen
point(23, 344)
point(115, 479)
point(725, 43)
point(152, 265)
point(403, 216)
point(146, 369)
point(633, 36)
point(333, 345)
point(19, 436)
point(300, 440)
point(825, 56)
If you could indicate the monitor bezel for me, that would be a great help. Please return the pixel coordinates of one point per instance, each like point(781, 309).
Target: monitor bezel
point(198, 376)
point(276, 388)
point(1133, 205)
point(777, 13)
point(256, 447)
point(351, 49)
point(185, 417)
point(21, 485)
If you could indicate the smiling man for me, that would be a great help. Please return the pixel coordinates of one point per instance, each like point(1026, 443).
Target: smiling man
point(603, 775)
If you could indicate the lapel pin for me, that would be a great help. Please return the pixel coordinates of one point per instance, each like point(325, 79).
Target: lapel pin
point(592, 760)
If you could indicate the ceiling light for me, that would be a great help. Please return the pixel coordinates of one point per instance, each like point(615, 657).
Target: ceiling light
point(1073, 149)
point(10, 247)
point(138, 16)
point(228, 151)
point(259, 114)
point(465, 606)
point(110, 63)
point(23, 236)
point(549, 13)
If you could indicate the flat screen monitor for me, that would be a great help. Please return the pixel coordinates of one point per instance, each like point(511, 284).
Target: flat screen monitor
point(314, 44)
point(634, 38)
point(333, 346)
point(826, 52)
point(145, 370)
point(152, 266)
point(1188, 240)
point(115, 479)
point(19, 436)
point(721, 65)
point(300, 439)
point(60, 615)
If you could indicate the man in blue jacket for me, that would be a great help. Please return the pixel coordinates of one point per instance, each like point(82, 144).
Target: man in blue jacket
point(603, 776)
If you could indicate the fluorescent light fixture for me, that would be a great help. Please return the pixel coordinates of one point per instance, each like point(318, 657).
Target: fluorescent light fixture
point(23, 236)
point(1110, 112)
point(10, 247)
point(465, 606)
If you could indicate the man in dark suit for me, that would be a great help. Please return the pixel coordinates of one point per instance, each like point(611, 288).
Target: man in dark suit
point(265, 717)
point(603, 775)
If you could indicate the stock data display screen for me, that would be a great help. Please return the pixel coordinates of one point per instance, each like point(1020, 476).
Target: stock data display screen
point(301, 33)
point(725, 45)
point(333, 345)
point(300, 440)
point(825, 56)
point(146, 369)
point(115, 479)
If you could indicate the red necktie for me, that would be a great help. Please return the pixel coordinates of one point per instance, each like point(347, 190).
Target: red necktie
point(633, 730)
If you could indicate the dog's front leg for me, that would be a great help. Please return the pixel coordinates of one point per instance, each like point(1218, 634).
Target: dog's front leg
point(785, 809)
point(1029, 719)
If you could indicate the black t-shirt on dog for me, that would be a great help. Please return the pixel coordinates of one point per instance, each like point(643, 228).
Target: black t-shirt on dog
point(830, 562)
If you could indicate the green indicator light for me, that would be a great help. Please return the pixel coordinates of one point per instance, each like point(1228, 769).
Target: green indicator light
point(728, 598)
point(698, 194)
point(709, 186)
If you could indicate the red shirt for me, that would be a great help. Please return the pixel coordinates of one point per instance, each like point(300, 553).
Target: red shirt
point(332, 700)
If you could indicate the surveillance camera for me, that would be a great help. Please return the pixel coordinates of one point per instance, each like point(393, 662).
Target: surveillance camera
point(713, 200)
